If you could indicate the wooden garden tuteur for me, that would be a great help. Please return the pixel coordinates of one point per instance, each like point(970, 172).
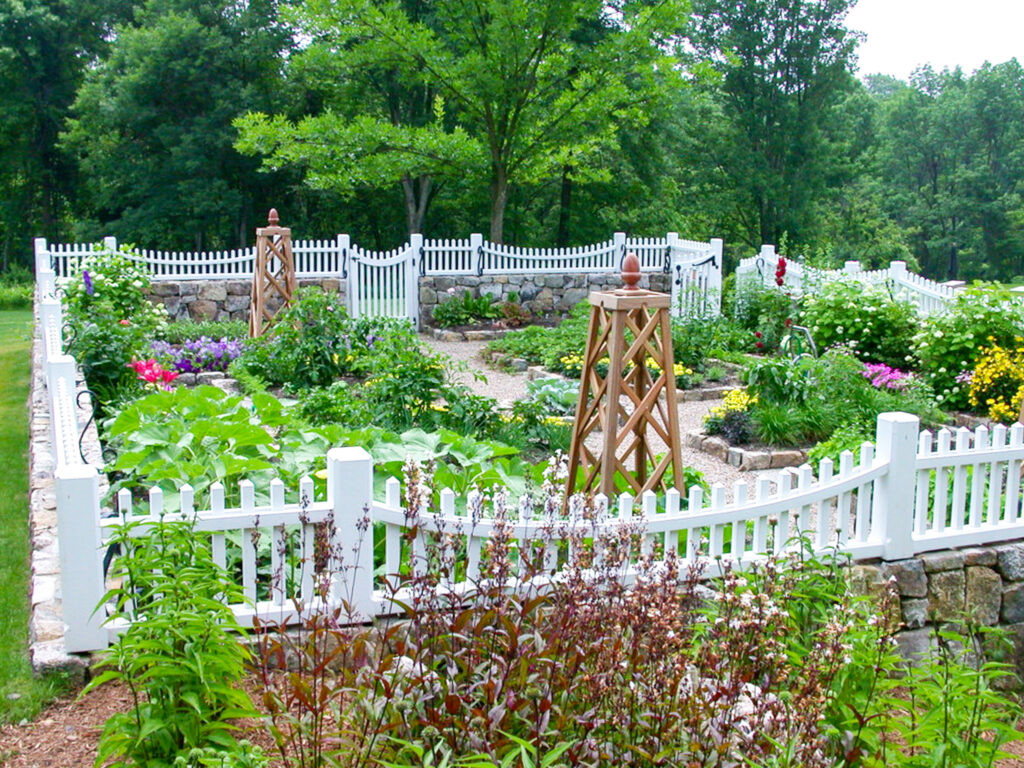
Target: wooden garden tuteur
point(273, 276)
point(631, 327)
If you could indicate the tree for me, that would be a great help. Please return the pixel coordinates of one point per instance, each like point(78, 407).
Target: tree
point(538, 84)
point(45, 48)
point(152, 127)
point(951, 162)
point(784, 66)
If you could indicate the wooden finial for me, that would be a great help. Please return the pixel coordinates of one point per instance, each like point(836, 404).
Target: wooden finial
point(273, 218)
point(631, 271)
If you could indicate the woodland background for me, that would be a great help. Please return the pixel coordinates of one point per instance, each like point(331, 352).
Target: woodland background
point(176, 124)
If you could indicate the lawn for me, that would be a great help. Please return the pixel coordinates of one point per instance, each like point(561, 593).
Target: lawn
point(21, 693)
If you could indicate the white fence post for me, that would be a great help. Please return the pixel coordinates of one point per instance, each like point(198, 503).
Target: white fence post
point(350, 494)
point(476, 245)
point(619, 243)
point(110, 243)
point(892, 510)
point(42, 256)
point(851, 267)
point(714, 297)
point(81, 561)
point(898, 270)
point(412, 279)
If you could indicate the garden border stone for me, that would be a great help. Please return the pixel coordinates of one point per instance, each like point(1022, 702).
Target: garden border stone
point(745, 459)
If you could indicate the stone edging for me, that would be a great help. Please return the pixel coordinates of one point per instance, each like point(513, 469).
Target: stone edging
point(483, 334)
point(745, 459)
point(46, 624)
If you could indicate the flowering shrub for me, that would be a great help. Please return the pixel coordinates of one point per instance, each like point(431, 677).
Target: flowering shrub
point(570, 365)
point(198, 355)
point(996, 385)
point(876, 327)
point(950, 343)
point(111, 285)
point(883, 376)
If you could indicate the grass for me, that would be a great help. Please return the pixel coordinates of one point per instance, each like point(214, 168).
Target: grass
point(22, 694)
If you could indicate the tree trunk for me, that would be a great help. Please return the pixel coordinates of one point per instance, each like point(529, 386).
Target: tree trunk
point(564, 209)
point(417, 196)
point(499, 198)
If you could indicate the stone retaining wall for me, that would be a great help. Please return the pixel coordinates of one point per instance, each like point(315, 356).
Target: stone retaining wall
point(985, 584)
point(540, 294)
point(216, 299)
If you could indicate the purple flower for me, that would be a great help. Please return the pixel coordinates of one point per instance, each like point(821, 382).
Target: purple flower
point(883, 376)
point(88, 282)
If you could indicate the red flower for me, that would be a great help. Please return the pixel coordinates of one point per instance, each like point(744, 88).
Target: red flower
point(779, 281)
point(759, 345)
point(789, 321)
point(757, 334)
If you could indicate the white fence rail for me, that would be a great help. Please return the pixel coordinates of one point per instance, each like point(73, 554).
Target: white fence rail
point(929, 296)
point(387, 282)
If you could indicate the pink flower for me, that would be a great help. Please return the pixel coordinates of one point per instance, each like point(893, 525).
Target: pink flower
point(151, 372)
point(125, 322)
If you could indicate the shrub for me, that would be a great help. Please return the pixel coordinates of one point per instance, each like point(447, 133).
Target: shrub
point(180, 657)
point(848, 437)
point(694, 338)
point(996, 385)
point(764, 311)
point(112, 322)
point(950, 344)
point(465, 310)
point(181, 331)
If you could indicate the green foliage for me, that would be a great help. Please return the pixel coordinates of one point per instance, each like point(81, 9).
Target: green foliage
point(556, 396)
point(763, 312)
point(23, 691)
point(16, 288)
point(465, 310)
point(877, 327)
point(163, 171)
point(112, 322)
point(806, 399)
point(205, 436)
point(848, 437)
point(181, 331)
point(180, 656)
point(951, 342)
point(547, 346)
point(693, 339)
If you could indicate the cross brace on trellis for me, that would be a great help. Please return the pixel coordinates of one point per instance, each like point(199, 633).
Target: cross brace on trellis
point(632, 329)
point(274, 274)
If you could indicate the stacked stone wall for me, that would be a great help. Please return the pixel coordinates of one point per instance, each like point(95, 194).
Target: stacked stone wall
point(542, 295)
point(984, 585)
point(216, 299)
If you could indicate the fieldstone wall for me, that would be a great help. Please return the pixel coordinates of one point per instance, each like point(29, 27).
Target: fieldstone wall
point(984, 584)
point(540, 294)
point(216, 299)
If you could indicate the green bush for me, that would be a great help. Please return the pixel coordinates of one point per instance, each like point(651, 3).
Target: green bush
point(112, 322)
point(807, 399)
point(465, 310)
point(181, 331)
point(950, 343)
point(693, 339)
point(765, 311)
point(181, 656)
point(875, 326)
point(547, 346)
point(16, 296)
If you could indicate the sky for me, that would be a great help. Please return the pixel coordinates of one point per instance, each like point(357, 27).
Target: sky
point(904, 34)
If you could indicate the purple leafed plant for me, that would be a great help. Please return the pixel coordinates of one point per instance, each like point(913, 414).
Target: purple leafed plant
point(198, 355)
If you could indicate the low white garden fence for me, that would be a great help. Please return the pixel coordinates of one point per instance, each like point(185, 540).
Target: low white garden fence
point(385, 282)
point(929, 296)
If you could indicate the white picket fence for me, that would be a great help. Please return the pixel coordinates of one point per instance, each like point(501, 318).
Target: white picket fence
point(927, 295)
point(386, 283)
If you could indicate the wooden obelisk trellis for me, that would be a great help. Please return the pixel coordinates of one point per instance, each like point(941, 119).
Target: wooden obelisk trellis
point(273, 276)
point(634, 411)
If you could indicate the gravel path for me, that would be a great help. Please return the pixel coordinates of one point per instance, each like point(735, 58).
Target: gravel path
point(509, 387)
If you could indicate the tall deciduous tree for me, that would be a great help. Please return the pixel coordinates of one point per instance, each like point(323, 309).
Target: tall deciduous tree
point(152, 126)
point(528, 80)
point(45, 48)
point(784, 65)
